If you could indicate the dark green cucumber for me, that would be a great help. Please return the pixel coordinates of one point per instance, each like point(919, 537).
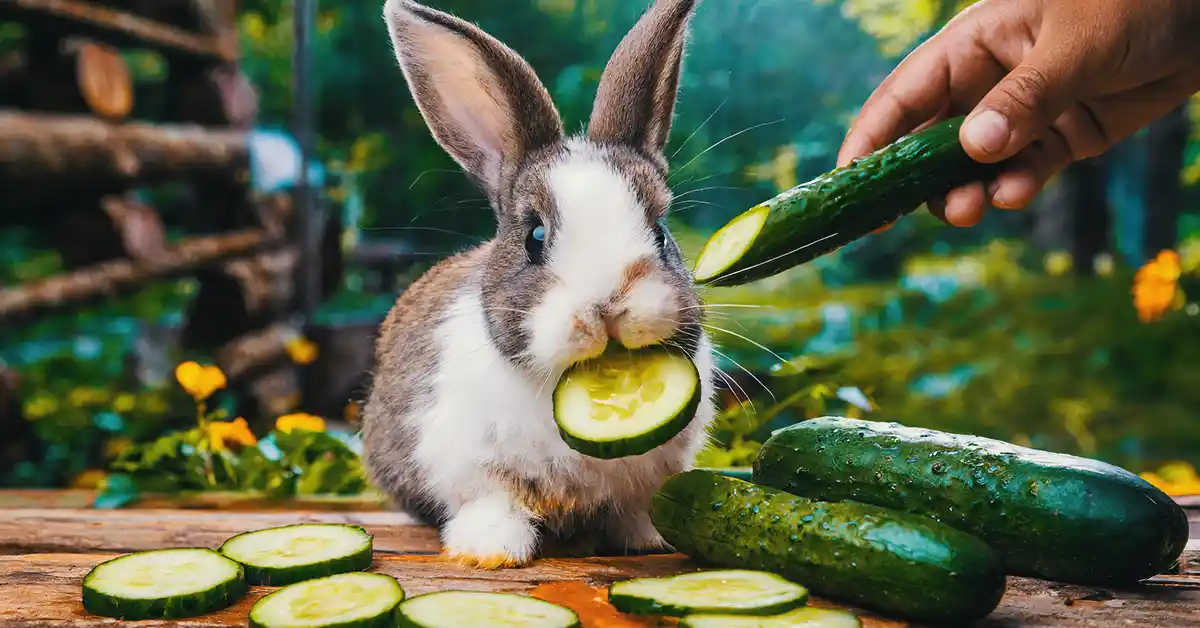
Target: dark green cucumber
point(1047, 515)
point(294, 553)
point(163, 584)
point(901, 564)
point(839, 207)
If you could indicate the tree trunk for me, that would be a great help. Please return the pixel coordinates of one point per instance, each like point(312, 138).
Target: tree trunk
point(1166, 142)
point(1084, 196)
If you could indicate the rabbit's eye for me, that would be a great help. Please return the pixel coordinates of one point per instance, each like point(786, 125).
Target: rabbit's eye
point(535, 242)
point(660, 236)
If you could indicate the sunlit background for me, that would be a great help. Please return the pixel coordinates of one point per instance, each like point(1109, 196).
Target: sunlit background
point(1034, 327)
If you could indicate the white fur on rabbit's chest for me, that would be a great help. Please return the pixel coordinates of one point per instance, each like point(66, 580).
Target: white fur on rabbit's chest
point(488, 415)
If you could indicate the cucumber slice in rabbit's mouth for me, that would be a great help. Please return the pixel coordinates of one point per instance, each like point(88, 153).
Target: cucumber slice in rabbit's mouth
point(626, 403)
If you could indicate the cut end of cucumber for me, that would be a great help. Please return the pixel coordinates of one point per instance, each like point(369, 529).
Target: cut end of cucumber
point(806, 617)
point(348, 599)
point(730, 243)
point(455, 609)
point(289, 554)
point(626, 403)
point(732, 591)
point(163, 584)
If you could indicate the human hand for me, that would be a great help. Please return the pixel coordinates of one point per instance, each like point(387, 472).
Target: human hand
point(1044, 82)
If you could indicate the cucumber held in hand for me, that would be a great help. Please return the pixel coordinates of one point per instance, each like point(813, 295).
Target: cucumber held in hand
point(839, 207)
point(288, 554)
point(1047, 515)
point(730, 592)
point(806, 617)
point(901, 564)
point(456, 609)
point(163, 584)
point(346, 600)
point(625, 403)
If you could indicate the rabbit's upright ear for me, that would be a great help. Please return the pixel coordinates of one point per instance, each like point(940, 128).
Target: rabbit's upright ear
point(483, 102)
point(636, 98)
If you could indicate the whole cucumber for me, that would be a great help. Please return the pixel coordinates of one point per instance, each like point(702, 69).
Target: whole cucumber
point(839, 206)
point(1047, 515)
point(900, 564)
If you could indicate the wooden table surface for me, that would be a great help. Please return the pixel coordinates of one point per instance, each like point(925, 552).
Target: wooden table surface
point(44, 553)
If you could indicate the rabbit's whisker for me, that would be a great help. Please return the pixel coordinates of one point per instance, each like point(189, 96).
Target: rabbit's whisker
point(706, 120)
point(420, 176)
point(732, 385)
point(747, 371)
point(747, 339)
point(705, 189)
point(722, 141)
point(778, 257)
point(410, 228)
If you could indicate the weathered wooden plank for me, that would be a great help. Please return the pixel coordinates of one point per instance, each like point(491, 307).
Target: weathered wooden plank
point(213, 500)
point(43, 590)
point(31, 531)
point(120, 28)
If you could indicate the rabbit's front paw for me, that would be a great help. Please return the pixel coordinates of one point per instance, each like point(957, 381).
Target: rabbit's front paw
point(633, 531)
point(490, 533)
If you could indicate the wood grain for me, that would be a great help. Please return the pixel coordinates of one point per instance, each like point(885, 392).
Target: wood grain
point(31, 531)
point(43, 590)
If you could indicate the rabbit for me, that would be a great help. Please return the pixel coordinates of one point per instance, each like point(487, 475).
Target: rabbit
point(458, 425)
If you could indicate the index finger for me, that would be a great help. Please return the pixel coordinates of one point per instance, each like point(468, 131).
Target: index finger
point(917, 91)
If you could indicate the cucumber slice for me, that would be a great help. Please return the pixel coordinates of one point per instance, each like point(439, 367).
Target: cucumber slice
point(477, 609)
point(729, 591)
point(839, 207)
point(345, 600)
point(806, 617)
point(289, 554)
point(163, 584)
point(626, 403)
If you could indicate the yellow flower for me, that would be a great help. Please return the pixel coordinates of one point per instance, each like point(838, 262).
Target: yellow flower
point(302, 350)
point(1155, 287)
point(89, 479)
point(1175, 479)
point(221, 434)
point(1058, 263)
point(124, 402)
point(300, 421)
point(40, 405)
point(117, 446)
point(200, 381)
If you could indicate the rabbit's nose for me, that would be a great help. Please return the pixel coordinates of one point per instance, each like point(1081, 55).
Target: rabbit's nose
point(612, 325)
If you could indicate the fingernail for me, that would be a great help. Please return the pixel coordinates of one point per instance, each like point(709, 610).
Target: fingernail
point(988, 131)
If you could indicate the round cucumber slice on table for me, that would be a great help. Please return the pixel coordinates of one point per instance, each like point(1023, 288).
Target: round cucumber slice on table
point(478, 609)
point(805, 617)
point(626, 403)
point(345, 600)
point(163, 584)
point(289, 554)
point(728, 592)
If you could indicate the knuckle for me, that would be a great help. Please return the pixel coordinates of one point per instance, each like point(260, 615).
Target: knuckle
point(1026, 89)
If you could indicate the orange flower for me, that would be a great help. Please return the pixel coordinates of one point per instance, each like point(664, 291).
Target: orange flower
point(1155, 286)
point(89, 479)
point(200, 381)
point(221, 434)
point(300, 421)
point(301, 350)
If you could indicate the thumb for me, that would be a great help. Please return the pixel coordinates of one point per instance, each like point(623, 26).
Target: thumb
point(1021, 106)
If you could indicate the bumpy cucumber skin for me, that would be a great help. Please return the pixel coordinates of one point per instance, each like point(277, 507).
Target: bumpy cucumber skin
point(903, 565)
point(640, 605)
point(1049, 516)
point(282, 576)
point(192, 605)
point(855, 200)
point(634, 446)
